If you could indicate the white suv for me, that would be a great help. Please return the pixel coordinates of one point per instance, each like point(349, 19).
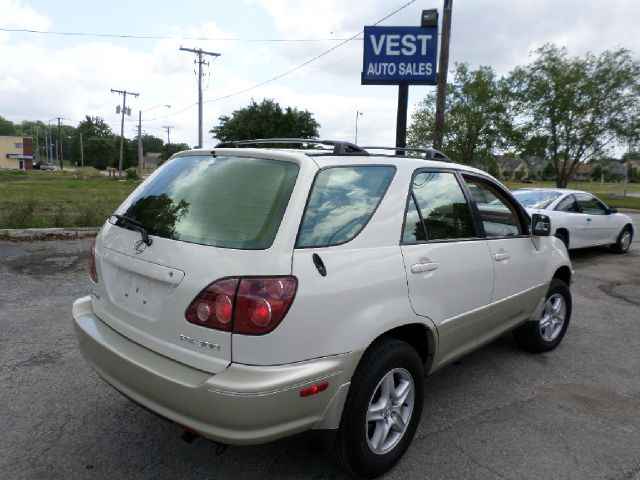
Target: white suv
point(248, 294)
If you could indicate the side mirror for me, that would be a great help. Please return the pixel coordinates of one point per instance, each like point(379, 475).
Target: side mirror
point(612, 210)
point(540, 225)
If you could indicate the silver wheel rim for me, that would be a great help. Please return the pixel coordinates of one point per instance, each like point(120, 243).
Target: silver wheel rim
point(625, 241)
point(553, 316)
point(389, 411)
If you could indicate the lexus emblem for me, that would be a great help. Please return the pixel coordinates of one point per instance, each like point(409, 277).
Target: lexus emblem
point(139, 246)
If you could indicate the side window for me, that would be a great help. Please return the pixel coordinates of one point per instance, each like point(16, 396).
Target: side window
point(441, 212)
point(499, 216)
point(568, 204)
point(590, 204)
point(341, 203)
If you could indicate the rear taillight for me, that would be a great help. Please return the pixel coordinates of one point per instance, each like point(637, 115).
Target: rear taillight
point(253, 306)
point(93, 271)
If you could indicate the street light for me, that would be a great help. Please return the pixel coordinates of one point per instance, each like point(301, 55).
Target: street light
point(358, 114)
point(140, 159)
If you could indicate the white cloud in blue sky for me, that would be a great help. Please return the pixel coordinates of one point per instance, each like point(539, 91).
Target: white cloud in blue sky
point(44, 76)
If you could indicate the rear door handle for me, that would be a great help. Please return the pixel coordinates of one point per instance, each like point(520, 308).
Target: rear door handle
point(423, 267)
point(588, 219)
point(502, 256)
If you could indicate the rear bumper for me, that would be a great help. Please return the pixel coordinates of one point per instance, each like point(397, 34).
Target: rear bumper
point(241, 405)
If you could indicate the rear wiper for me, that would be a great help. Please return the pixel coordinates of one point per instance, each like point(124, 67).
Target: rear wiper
point(135, 225)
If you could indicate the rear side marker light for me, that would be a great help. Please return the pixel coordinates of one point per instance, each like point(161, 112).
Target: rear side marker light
point(252, 306)
point(93, 271)
point(313, 389)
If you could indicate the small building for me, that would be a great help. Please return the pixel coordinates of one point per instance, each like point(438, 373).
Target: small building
point(152, 160)
point(583, 172)
point(16, 153)
point(511, 168)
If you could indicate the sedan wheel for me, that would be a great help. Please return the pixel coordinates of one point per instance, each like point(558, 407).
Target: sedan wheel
point(624, 241)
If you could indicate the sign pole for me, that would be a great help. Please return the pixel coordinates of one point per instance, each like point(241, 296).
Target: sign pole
point(401, 122)
point(443, 66)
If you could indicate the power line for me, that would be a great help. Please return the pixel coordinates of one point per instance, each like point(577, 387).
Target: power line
point(171, 37)
point(288, 72)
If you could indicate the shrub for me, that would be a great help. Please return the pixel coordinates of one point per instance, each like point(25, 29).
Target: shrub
point(131, 174)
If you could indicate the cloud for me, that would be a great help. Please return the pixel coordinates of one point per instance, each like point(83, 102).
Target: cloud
point(42, 77)
point(16, 15)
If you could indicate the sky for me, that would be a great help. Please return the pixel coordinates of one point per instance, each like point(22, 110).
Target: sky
point(43, 76)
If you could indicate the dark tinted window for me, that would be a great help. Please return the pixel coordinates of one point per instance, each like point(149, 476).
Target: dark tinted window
point(499, 216)
point(443, 207)
point(341, 203)
point(226, 202)
point(568, 204)
point(590, 204)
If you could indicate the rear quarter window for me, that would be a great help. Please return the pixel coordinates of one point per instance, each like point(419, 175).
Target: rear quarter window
point(341, 202)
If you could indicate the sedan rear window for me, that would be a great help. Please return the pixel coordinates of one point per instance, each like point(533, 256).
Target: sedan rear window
point(341, 203)
point(228, 202)
point(536, 198)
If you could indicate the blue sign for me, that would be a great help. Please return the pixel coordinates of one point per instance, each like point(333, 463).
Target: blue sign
point(394, 55)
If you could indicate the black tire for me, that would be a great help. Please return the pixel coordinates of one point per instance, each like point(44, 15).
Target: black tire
point(564, 236)
point(623, 243)
point(351, 450)
point(546, 334)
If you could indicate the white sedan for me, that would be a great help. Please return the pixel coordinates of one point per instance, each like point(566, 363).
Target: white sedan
point(579, 218)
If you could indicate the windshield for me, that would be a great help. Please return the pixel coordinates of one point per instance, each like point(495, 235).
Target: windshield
point(227, 202)
point(536, 198)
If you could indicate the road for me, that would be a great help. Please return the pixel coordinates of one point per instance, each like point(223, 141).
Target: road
point(572, 413)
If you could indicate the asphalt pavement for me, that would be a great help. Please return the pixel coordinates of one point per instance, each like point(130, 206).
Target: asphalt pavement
point(500, 412)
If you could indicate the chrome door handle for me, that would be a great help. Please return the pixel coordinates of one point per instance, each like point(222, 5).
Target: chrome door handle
point(423, 267)
point(502, 256)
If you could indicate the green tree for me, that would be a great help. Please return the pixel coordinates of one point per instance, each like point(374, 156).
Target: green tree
point(94, 128)
point(171, 148)
point(6, 126)
point(266, 120)
point(151, 143)
point(581, 105)
point(100, 152)
point(476, 118)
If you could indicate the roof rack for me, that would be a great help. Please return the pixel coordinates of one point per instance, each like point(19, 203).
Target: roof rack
point(429, 153)
point(339, 147)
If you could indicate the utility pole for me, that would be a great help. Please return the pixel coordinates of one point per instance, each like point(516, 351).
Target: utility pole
point(140, 159)
point(124, 94)
point(81, 151)
point(443, 66)
point(200, 53)
point(168, 129)
point(37, 144)
point(58, 142)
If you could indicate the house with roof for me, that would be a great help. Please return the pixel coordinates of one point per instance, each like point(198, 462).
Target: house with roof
point(511, 167)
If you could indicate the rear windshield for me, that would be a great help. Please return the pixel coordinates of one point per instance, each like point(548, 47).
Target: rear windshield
point(227, 202)
point(536, 198)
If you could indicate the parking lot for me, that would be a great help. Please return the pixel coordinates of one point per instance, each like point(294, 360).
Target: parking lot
point(500, 412)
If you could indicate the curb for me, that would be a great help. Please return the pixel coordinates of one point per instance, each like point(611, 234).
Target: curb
point(40, 234)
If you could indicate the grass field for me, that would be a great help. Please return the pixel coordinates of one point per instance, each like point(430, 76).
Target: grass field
point(58, 199)
point(85, 198)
